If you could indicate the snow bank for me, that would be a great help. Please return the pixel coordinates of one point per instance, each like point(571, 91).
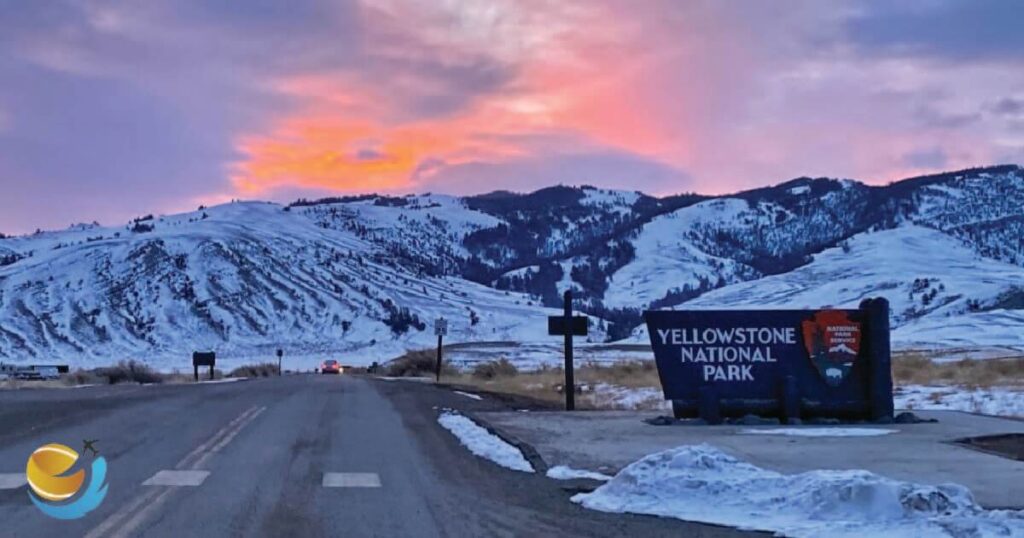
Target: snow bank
point(701, 483)
point(819, 432)
point(998, 401)
point(564, 472)
point(469, 395)
point(484, 443)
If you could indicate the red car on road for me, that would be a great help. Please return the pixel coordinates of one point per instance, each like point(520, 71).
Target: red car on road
point(330, 367)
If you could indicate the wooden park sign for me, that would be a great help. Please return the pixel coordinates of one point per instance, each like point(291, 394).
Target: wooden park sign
point(577, 325)
point(568, 326)
point(787, 363)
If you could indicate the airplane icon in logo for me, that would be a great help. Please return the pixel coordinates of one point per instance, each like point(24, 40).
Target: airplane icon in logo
point(90, 445)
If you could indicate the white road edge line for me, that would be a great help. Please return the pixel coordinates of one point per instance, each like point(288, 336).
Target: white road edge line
point(351, 480)
point(177, 478)
point(12, 480)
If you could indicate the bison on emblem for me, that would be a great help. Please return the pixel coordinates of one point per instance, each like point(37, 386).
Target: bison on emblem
point(833, 343)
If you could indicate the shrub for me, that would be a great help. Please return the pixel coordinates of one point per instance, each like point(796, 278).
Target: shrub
point(417, 363)
point(493, 369)
point(129, 372)
point(82, 377)
point(265, 369)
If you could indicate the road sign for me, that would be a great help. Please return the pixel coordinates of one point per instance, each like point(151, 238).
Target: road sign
point(201, 358)
point(578, 325)
point(832, 363)
point(440, 329)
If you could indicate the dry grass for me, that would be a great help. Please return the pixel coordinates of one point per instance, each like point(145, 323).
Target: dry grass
point(419, 363)
point(124, 372)
point(129, 372)
point(264, 369)
point(546, 383)
point(916, 368)
point(494, 369)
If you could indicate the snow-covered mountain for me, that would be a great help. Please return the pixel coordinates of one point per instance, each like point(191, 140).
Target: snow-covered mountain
point(242, 278)
point(367, 275)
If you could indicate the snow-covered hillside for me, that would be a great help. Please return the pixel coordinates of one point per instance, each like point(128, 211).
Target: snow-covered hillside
point(936, 287)
point(244, 279)
point(922, 272)
point(667, 262)
point(427, 229)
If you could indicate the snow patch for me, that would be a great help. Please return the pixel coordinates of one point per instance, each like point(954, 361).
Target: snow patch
point(218, 381)
point(469, 395)
point(703, 484)
point(564, 472)
point(483, 443)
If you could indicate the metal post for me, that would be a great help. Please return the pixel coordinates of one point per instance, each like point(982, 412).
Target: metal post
point(438, 367)
point(196, 372)
point(570, 384)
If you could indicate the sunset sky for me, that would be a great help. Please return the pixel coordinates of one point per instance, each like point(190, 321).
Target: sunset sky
point(110, 110)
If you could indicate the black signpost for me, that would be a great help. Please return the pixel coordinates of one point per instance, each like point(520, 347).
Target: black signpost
point(200, 358)
point(280, 353)
point(568, 325)
point(440, 329)
point(787, 363)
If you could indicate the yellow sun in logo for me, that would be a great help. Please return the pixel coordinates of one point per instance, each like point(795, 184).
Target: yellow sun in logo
point(45, 469)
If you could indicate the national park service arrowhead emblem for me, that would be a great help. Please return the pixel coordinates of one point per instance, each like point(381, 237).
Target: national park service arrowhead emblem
point(833, 343)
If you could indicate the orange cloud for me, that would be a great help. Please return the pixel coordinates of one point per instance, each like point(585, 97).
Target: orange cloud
point(679, 85)
point(347, 134)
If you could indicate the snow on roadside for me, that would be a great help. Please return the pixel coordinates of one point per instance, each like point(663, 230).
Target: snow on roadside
point(483, 443)
point(469, 395)
point(819, 432)
point(564, 472)
point(222, 380)
point(703, 484)
point(997, 401)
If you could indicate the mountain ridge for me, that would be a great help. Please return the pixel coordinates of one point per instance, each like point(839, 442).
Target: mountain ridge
point(371, 271)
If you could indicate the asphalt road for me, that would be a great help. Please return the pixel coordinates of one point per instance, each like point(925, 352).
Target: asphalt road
point(266, 445)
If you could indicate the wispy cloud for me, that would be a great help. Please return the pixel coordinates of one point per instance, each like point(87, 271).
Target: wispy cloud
point(166, 103)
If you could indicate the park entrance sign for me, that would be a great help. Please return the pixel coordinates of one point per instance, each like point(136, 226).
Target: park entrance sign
point(787, 363)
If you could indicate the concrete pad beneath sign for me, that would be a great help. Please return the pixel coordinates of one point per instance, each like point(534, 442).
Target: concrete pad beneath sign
point(607, 441)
